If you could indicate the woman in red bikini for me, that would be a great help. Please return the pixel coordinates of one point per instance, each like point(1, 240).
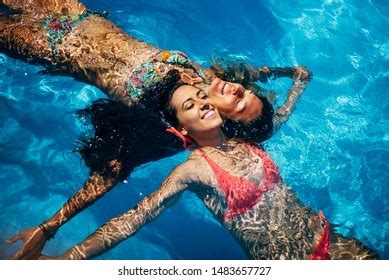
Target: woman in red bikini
point(68, 39)
point(238, 182)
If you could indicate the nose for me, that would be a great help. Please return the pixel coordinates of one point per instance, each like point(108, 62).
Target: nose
point(204, 105)
point(237, 90)
point(234, 90)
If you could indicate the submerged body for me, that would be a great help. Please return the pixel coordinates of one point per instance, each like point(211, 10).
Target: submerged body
point(92, 49)
point(239, 184)
point(276, 226)
point(96, 51)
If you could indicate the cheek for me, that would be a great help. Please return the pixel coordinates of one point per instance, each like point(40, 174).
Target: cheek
point(253, 110)
point(225, 104)
point(187, 119)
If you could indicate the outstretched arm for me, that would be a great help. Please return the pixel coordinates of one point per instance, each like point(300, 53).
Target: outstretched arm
point(35, 238)
point(95, 187)
point(126, 225)
point(301, 77)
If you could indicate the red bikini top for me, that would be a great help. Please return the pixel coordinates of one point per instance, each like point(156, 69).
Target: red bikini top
point(242, 194)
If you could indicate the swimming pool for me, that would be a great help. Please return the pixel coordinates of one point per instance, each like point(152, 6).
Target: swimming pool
point(333, 151)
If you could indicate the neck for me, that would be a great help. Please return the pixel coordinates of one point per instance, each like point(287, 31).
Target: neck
point(215, 140)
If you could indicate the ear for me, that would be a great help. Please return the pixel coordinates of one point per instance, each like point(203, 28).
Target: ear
point(183, 131)
point(189, 76)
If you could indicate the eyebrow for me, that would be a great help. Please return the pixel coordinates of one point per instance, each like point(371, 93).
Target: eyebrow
point(198, 92)
point(190, 98)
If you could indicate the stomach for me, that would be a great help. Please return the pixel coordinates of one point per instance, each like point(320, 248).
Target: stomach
point(277, 227)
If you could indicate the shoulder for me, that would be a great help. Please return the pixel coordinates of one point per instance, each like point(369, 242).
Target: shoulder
point(194, 165)
point(194, 170)
point(194, 157)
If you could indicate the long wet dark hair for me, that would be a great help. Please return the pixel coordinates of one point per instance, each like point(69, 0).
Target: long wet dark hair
point(136, 135)
point(131, 135)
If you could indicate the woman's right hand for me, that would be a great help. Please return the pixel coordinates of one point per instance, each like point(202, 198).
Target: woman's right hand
point(302, 73)
point(33, 242)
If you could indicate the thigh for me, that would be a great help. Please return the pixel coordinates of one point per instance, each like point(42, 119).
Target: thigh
point(45, 7)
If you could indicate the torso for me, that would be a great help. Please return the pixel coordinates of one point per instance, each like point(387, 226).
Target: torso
point(95, 51)
point(277, 226)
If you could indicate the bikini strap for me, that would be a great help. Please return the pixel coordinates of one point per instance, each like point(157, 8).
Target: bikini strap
point(215, 167)
point(186, 141)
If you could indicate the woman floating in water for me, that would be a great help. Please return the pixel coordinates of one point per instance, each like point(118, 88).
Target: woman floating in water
point(68, 39)
point(238, 182)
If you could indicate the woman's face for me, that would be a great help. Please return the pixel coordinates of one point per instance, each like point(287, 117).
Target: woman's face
point(234, 101)
point(194, 111)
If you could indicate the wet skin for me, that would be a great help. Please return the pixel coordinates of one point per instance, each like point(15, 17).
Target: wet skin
point(98, 52)
point(278, 226)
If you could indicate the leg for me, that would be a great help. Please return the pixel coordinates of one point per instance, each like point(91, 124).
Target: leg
point(45, 7)
point(24, 39)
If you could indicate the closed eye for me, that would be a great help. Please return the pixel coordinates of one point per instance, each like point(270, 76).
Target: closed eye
point(188, 105)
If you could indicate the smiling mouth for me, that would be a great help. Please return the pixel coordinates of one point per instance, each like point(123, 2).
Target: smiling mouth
point(209, 114)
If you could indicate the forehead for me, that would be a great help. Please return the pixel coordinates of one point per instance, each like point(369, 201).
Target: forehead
point(184, 92)
point(205, 86)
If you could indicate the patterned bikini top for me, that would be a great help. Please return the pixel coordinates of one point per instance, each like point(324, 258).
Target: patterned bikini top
point(154, 69)
point(242, 194)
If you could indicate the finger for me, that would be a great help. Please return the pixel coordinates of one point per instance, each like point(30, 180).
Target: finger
point(13, 239)
point(264, 69)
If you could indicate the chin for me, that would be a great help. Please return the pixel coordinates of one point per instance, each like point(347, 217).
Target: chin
point(218, 123)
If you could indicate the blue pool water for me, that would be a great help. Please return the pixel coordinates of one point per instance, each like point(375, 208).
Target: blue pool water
point(333, 151)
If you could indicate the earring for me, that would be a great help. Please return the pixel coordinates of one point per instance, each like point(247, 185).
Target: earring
point(187, 142)
point(184, 132)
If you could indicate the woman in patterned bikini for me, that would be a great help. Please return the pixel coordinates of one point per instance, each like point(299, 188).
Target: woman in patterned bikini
point(238, 182)
point(66, 38)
